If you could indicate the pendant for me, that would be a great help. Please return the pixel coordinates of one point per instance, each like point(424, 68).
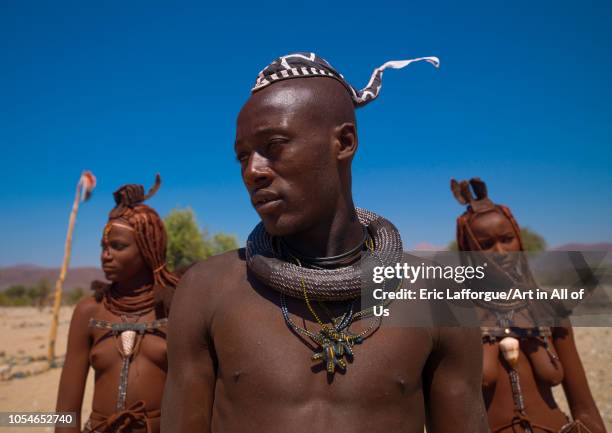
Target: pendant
point(509, 347)
point(127, 342)
point(335, 346)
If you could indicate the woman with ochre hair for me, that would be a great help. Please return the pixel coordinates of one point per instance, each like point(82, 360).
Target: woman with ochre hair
point(521, 364)
point(120, 331)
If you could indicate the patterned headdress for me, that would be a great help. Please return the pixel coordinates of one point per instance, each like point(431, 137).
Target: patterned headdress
point(305, 65)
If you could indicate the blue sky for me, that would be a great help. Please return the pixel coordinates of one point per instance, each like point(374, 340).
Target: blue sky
point(128, 89)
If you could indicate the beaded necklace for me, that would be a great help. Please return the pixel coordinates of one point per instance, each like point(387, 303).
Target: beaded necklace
point(334, 340)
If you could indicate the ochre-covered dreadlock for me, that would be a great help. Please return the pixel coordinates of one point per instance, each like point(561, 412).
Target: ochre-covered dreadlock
point(150, 235)
point(466, 241)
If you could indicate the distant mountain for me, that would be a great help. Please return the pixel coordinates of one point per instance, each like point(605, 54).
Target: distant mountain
point(601, 246)
point(426, 246)
point(29, 275)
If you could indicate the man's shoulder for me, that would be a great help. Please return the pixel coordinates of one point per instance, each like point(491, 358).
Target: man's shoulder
point(433, 305)
point(222, 263)
point(205, 284)
point(222, 271)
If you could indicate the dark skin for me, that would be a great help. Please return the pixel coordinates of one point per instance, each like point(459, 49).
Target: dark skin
point(234, 366)
point(537, 372)
point(123, 264)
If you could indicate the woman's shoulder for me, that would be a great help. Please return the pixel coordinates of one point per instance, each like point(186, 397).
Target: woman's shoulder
point(86, 308)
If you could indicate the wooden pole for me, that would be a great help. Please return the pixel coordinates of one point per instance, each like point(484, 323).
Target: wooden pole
point(57, 301)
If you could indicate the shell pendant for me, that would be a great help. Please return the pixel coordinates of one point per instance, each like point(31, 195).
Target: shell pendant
point(509, 347)
point(128, 339)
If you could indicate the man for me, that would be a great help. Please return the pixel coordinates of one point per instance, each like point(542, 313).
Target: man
point(268, 339)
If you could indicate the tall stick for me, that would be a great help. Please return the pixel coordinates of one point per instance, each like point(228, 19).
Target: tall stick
point(85, 186)
point(57, 301)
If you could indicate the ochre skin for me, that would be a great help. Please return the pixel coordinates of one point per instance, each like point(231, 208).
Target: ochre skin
point(234, 365)
point(538, 374)
point(124, 265)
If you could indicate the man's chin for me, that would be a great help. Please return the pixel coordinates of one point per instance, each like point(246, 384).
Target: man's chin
point(275, 229)
point(279, 226)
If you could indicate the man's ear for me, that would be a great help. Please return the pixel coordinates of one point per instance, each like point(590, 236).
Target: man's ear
point(346, 139)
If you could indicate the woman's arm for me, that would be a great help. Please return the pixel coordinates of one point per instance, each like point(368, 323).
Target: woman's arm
point(575, 383)
point(76, 365)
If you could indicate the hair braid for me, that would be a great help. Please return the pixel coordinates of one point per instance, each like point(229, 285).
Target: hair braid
point(151, 238)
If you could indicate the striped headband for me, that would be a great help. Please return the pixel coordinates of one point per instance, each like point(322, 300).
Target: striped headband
point(304, 65)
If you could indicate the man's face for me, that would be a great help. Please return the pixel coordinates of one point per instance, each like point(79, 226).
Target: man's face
point(287, 158)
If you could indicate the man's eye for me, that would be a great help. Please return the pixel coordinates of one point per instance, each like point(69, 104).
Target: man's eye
point(274, 147)
point(276, 142)
point(508, 239)
point(242, 157)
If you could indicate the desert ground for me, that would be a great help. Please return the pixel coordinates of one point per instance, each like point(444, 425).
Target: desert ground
point(24, 333)
point(23, 339)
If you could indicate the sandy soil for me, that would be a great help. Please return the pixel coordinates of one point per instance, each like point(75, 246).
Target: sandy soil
point(595, 349)
point(23, 338)
point(24, 333)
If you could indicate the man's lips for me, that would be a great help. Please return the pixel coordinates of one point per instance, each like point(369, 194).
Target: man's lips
point(263, 199)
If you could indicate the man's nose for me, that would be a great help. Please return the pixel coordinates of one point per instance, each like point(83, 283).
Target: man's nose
point(257, 173)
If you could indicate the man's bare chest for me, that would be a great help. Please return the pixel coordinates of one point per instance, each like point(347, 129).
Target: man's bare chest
point(259, 353)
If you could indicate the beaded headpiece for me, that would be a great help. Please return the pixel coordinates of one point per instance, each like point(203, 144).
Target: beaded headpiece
point(305, 65)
